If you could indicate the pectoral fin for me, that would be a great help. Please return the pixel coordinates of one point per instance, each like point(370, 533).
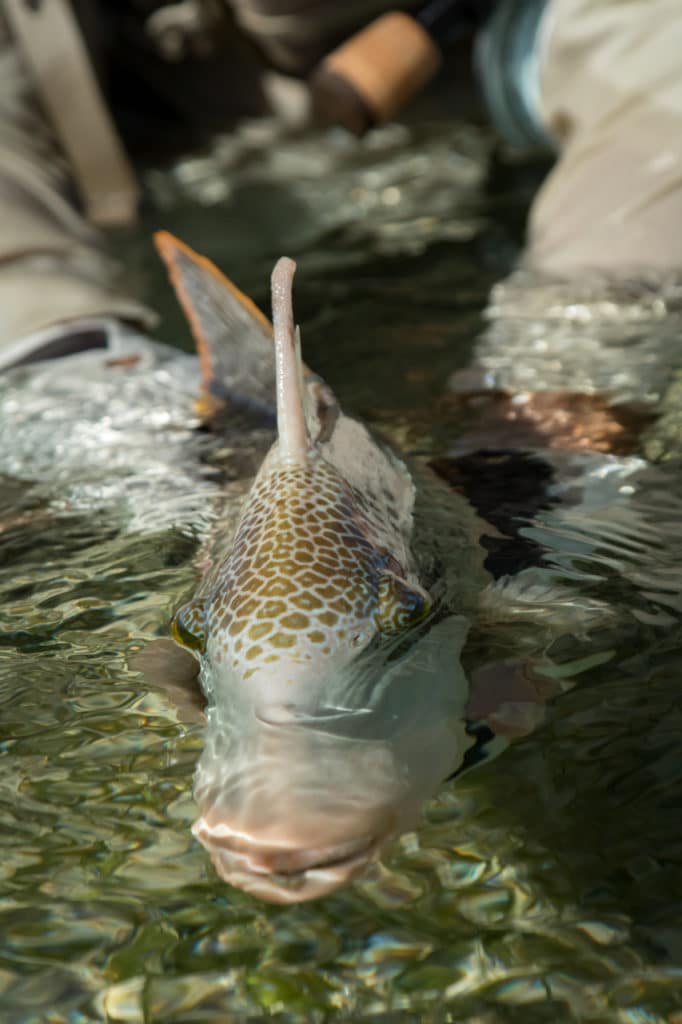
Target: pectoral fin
point(173, 671)
point(233, 337)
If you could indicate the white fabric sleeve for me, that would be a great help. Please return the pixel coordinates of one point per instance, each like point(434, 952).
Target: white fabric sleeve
point(53, 265)
point(611, 85)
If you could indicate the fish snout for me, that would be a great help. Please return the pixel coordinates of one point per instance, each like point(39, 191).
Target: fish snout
point(286, 871)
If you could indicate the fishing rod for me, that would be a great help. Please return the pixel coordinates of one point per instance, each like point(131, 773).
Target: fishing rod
point(370, 77)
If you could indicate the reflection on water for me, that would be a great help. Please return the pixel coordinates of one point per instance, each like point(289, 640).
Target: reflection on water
point(542, 886)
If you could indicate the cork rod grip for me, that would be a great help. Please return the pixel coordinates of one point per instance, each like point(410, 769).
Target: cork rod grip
point(373, 74)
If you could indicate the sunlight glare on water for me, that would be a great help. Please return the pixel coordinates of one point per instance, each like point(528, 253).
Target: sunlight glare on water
point(544, 886)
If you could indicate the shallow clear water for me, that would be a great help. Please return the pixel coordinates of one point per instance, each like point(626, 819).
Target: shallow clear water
point(544, 886)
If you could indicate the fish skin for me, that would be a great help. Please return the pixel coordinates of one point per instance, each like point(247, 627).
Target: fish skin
point(342, 592)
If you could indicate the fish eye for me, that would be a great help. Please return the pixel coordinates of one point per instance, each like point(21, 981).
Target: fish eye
point(400, 605)
point(188, 626)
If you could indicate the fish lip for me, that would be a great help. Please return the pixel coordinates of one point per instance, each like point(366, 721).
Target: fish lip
point(289, 890)
point(329, 870)
point(296, 887)
point(343, 856)
point(223, 839)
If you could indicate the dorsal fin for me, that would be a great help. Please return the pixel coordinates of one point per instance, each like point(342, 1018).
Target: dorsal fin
point(233, 337)
point(294, 440)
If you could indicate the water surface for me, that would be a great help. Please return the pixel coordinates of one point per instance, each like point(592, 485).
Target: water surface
point(544, 886)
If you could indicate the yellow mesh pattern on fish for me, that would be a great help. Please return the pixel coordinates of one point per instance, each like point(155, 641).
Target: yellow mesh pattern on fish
point(302, 578)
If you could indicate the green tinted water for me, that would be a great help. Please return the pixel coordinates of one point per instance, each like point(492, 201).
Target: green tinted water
point(545, 886)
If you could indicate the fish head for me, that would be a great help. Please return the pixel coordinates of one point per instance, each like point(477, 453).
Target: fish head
point(288, 815)
point(306, 597)
point(297, 799)
point(303, 780)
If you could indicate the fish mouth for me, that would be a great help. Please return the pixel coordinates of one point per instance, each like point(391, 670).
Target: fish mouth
point(284, 874)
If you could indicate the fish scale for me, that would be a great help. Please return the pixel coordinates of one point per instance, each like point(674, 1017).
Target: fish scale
point(302, 577)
